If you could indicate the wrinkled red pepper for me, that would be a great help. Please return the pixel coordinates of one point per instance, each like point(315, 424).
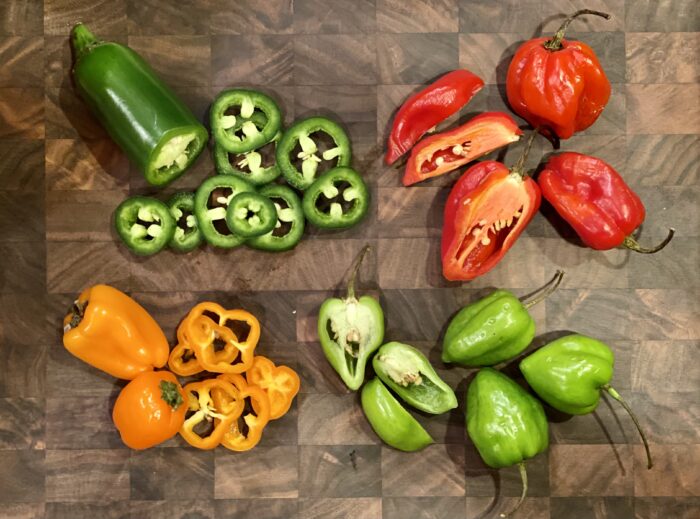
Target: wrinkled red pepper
point(558, 85)
point(594, 199)
point(425, 109)
point(447, 151)
point(486, 211)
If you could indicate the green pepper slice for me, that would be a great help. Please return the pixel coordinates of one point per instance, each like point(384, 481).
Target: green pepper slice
point(392, 423)
point(290, 223)
point(144, 224)
point(410, 375)
point(300, 143)
point(239, 137)
point(187, 235)
point(211, 202)
point(338, 199)
point(251, 214)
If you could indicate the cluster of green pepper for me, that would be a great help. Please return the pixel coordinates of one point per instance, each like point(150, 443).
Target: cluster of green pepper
point(505, 422)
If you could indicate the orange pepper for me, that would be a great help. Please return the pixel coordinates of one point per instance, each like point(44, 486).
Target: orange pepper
point(280, 383)
point(177, 362)
point(150, 409)
point(110, 331)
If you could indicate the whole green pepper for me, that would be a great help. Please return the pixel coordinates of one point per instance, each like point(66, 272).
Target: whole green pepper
point(409, 374)
point(570, 372)
point(505, 422)
point(350, 330)
point(392, 423)
point(143, 116)
point(492, 330)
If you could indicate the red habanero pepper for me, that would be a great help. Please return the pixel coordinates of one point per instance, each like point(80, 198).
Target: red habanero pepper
point(558, 85)
point(594, 199)
point(486, 211)
point(425, 109)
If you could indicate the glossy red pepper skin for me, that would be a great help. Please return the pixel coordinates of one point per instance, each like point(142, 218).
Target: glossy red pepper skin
point(429, 107)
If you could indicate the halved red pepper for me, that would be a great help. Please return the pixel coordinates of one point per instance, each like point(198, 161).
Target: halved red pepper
point(594, 199)
point(425, 109)
point(447, 151)
point(486, 211)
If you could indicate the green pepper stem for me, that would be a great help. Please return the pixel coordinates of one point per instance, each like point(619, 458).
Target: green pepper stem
point(519, 167)
point(523, 477)
point(81, 40)
point(546, 290)
point(170, 394)
point(624, 404)
point(77, 312)
point(555, 43)
point(355, 269)
point(632, 244)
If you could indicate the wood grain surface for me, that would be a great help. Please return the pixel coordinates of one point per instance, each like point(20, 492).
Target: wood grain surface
point(61, 178)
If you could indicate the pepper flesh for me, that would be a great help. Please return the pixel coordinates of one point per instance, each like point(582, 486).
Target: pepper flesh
point(223, 410)
point(234, 438)
point(323, 200)
point(181, 207)
point(144, 224)
point(280, 383)
point(289, 214)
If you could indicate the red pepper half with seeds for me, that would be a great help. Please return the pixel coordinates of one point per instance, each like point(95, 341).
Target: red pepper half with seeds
point(447, 151)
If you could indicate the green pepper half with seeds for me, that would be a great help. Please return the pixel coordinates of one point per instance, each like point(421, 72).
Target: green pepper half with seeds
point(211, 202)
point(338, 199)
point(144, 224)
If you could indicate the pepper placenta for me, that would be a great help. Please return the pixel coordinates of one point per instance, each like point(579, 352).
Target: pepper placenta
point(421, 112)
point(110, 331)
point(595, 200)
point(486, 211)
point(447, 151)
point(338, 199)
point(251, 214)
point(507, 424)
point(411, 376)
point(290, 222)
point(144, 224)
point(494, 329)
point(210, 204)
point(350, 330)
point(558, 85)
point(150, 409)
point(392, 423)
point(306, 135)
point(143, 116)
point(187, 235)
point(234, 437)
point(280, 383)
point(569, 374)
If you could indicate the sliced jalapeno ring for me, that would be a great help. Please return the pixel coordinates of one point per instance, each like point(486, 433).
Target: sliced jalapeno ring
point(302, 155)
point(251, 214)
point(187, 235)
point(338, 199)
point(210, 204)
point(144, 224)
point(289, 227)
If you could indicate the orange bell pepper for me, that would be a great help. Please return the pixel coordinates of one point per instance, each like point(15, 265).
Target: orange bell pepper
point(150, 409)
point(280, 383)
point(182, 360)
point(110, 331)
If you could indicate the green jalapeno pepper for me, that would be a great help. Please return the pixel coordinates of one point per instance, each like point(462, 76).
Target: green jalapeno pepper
point(350, 330)
point(289, 226)
point(493, 329)
point(300, 136)
point(505, 422)
point(251, 214)
point(409, 374)
point(144, 117)
point(392, 423)
point(240, 133)
point(187, 235)
point(324, 199)
point(569, 374)
point(211, 202)
point(144, 224)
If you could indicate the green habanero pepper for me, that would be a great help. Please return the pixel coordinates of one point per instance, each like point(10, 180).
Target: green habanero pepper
point(144, 224)
point(240, 133)
point(392, 423)
point(250, 215)
point(306, 135)
point(290, 224)
point(505, 422)
point(187, 235)
point(338, 199)
point(210, 205)
point(409, 374)
point(144, 117)
point(493, 329)
point(569, 374)
point(350, 330)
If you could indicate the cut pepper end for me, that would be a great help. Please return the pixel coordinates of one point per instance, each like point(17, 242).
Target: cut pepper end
point(81, 39)
point(632, 244)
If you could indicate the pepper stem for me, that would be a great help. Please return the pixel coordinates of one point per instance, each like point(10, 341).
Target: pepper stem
point(519, 167)
point(81, 40)
point(355, 269)
point(170, 394)
point(523, 477)
point(546, 290)
point(632, 244)
point(624, 404)
point(76, 312)
point(555, 43)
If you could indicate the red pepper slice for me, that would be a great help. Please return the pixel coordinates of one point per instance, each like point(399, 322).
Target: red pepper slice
point(447, 151)
point(594, 199)
point(425, 109)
